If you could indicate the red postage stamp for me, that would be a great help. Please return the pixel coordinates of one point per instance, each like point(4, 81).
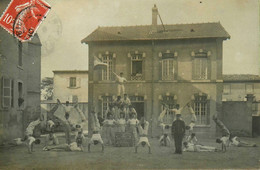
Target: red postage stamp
point(22, 17)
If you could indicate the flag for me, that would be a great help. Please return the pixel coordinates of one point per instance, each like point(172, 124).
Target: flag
point(98, 63)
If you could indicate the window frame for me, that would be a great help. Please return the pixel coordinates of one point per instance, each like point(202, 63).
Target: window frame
point(138, 57)
point(203, 106)
point(11, 92)
point(71, 83)
point(106, 100)
point(105, 73)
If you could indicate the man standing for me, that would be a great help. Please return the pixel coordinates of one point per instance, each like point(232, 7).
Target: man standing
point(120, 84)
point(178, 131)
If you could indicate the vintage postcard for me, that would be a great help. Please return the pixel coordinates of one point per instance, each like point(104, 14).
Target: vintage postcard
point(129, 84)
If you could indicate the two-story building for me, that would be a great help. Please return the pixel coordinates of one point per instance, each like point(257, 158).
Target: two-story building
point(163, 64)
point(72, 86)
point(20, 73)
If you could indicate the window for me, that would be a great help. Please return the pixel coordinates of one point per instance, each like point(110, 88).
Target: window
point(106, 100)
point(20, 54)
point(7, 92)
point(201, 109)
point(20, 94)
point(200, 69)
point(227, 89)
point(249, 88)
point(169, 65)
point(107, 73)
point(137, 67)
point(170, 102)
point(74, 98)
point(168, 69)
point(73, 82)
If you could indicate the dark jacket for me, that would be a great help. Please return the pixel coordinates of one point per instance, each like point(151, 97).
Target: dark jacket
point(178, 127)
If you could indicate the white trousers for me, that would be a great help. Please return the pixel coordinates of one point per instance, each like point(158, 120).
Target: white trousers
point(120, 89)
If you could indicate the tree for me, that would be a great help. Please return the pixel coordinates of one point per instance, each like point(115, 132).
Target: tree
point(47, 88)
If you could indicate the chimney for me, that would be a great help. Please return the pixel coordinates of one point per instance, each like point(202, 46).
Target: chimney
point(154, 18)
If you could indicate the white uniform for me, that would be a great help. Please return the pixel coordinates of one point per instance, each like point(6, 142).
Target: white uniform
point(74, 147)
point(31, 126)
point(198, 148)
point(193, 140)
point(225, 140)
point(120, 85)
point(143, 133)
point(96, 137)
point(121, 125)
point(30, 140)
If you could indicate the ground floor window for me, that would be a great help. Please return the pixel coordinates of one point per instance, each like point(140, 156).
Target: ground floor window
point(169, 102)
point(106, 100)
point(201, 108)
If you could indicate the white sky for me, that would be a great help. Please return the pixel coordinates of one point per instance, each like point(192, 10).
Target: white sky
point(79, 18)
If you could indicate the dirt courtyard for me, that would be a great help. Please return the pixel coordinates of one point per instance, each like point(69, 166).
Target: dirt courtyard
point(125, 158)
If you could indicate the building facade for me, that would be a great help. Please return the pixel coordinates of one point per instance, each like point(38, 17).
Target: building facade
point(173, 64)
point(20, 72)
point(238, 87)
point(72, 86)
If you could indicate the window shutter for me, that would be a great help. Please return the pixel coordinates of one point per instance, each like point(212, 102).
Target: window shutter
point(78, 81)
point(7, 92)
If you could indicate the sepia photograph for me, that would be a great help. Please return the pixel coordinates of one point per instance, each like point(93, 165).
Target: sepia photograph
point(129, 84)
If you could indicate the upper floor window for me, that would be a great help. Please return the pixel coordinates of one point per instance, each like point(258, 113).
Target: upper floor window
point(7, 92)
point(169, 65)
point(20, 54)
point(226, 88)
point(200, 65)
point(136, 65)
point(73, 82)
point(249, 88)
point(107, 73)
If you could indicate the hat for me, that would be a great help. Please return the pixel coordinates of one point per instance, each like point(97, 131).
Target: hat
point(178, 115)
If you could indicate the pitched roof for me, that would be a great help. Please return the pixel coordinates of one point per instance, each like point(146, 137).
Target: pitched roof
point(143, 32)
point(240, 77)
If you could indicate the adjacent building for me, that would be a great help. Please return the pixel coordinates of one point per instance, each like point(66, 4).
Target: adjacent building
point(163, 64)
point(20, 73)
point(72, 86)
point(238, 87)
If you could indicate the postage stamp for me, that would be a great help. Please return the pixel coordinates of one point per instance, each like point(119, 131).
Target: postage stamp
point(23, 17)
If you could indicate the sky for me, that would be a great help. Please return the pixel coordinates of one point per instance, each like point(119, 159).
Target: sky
point(69, 22)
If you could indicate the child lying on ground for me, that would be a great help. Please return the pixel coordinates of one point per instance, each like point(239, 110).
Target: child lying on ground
point(235, 141)
point(74, 146)
point(189, 147)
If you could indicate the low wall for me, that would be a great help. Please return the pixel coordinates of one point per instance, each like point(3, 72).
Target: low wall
point(237, 116)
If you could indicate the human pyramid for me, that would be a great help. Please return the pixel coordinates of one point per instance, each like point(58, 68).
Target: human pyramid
point(121, 117)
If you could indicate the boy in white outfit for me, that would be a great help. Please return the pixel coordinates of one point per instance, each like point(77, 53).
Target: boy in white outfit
point(120, 84)
point(96, 137)
point(143, 127)
point(121, 123)
point(109, 125)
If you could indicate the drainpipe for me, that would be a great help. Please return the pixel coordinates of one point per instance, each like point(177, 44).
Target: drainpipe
point(152, 89)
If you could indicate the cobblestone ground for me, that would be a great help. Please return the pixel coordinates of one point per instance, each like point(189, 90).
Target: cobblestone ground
point(125, 158)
